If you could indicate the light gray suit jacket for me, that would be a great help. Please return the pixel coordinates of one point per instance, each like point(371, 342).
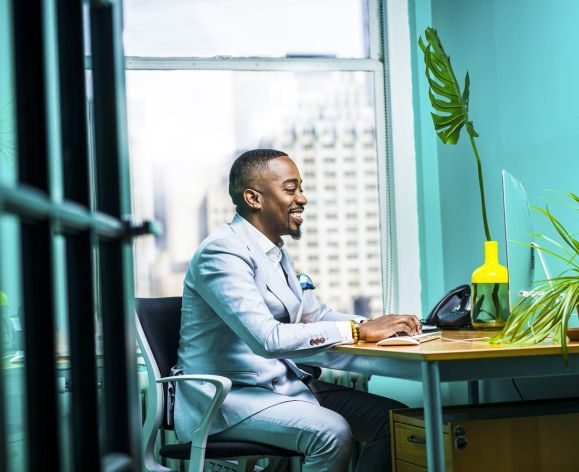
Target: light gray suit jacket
point(240, 319)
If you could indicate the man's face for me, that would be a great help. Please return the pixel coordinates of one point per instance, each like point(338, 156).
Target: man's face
point(282, 199)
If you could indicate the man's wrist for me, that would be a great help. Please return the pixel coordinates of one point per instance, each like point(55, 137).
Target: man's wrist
point(363, 330)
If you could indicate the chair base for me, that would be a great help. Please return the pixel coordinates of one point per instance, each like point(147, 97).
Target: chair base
point(248, 464)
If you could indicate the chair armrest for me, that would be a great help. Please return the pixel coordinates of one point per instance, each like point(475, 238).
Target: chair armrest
point(213, 379)
point(222, 388)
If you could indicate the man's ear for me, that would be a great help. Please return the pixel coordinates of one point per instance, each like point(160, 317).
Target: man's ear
point(252, 199)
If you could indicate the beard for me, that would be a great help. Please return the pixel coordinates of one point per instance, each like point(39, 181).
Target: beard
point(295, 234)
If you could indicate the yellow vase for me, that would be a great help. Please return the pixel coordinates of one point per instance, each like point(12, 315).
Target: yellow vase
point(490, 291)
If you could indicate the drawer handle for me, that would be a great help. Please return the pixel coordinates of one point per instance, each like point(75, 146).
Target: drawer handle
point(414, 440)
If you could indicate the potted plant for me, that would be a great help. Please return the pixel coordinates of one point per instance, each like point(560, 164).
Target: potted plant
point(535, 318)
point(489, 304)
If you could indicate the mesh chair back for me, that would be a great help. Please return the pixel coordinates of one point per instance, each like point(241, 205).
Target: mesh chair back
point(160, 319)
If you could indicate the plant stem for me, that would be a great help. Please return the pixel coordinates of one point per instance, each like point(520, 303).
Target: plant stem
point(497, 303)
point(481, 187)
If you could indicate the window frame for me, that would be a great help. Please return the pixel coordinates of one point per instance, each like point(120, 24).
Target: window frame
point(376, 64)
point(76, 233)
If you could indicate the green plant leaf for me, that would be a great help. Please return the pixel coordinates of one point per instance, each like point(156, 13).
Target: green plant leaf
point(445, 95)
point(565, 236)
point(450, 104)
point(533, 319)
point(553, 253)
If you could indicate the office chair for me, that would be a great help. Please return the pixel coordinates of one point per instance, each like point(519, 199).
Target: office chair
point(158, 323)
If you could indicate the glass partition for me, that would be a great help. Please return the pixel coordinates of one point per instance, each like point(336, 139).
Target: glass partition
point(12, 365)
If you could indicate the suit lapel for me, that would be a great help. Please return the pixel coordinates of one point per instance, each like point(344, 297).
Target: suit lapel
point(293, 283)
point(291, 274)
point(273, 279)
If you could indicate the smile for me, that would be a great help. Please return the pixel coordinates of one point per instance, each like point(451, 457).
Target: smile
point(296, 216)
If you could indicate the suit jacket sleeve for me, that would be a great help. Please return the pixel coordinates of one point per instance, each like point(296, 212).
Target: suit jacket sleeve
point(223, 275)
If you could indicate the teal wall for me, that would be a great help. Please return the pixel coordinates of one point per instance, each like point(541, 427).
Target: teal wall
point(524, 69)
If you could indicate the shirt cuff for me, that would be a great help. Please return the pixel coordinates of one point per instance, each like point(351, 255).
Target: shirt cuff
point(345, 328)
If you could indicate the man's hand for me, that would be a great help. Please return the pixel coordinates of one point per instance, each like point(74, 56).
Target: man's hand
point(388, 325)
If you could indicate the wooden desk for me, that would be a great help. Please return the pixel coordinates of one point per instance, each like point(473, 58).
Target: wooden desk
point(458, 355)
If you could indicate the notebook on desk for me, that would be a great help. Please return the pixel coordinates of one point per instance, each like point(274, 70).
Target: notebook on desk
point(409, 340)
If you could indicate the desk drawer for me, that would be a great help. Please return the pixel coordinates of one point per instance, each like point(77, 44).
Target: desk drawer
point(410, 444)
point(503, 437)
point(402, 466)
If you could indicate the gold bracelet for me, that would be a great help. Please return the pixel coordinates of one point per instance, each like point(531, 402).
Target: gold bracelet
point(355, 331)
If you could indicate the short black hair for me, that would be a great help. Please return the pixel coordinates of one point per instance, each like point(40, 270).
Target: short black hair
point(244, 169)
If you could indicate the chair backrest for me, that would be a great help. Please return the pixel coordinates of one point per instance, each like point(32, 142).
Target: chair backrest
point(160, 319)
point(160, 322)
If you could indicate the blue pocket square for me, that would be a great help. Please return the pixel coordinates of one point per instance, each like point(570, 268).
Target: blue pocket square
point(305, 281)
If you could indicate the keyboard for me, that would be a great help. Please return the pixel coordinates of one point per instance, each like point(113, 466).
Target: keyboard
point(428, 327)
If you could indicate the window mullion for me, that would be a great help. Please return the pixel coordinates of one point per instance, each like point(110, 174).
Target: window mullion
point(30, 22)
point(374, 12)
point(114, 258)
point(385, 178)
point(251, 64)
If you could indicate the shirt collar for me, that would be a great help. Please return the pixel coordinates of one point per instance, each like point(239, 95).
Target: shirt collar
point(261, 239)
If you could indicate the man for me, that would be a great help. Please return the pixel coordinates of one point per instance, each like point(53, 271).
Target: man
point(246, 317)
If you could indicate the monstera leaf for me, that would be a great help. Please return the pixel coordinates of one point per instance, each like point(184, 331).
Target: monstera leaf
point(451, 104)
point(443, 84)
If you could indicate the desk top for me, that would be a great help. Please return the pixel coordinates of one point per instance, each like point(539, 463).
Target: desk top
point(456, 345)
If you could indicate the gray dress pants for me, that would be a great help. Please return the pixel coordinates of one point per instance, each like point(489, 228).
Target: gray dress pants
point(326, 433)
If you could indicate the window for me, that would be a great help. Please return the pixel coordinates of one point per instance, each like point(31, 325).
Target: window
point(177, 28)
point(312, 93)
